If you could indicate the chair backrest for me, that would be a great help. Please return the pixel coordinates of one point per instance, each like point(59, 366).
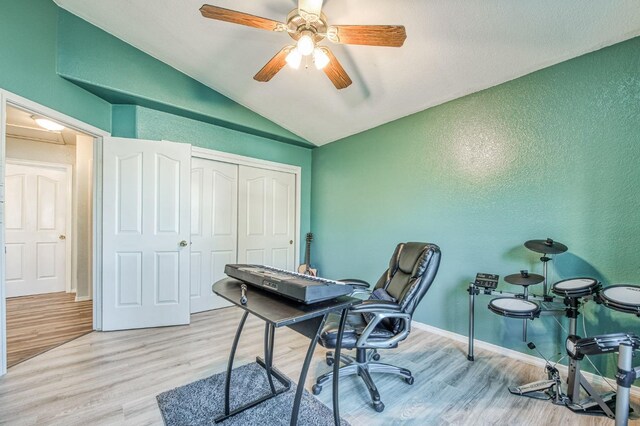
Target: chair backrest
point(411, 272)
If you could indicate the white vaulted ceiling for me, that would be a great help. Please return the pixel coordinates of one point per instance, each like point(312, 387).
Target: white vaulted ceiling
point(453, 48)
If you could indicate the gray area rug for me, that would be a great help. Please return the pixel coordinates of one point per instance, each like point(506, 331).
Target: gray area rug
point(199, 403)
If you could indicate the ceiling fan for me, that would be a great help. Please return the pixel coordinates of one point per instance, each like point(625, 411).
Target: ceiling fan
point(307, 25)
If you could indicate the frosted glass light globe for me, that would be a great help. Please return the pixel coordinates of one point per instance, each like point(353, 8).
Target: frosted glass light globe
point(320, 58)
point(306, 45)
point(294, 58)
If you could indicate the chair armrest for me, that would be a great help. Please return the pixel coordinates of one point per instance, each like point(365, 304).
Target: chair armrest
point(379, 316)
point(358, 286)
point(355, 283)
point(376, 306)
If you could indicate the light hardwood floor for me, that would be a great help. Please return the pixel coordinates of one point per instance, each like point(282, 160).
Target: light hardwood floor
point(113, 378)
point(41, 322)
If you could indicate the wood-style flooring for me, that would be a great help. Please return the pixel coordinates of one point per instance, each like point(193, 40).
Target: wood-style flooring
point(113, 377)
point(41, 322)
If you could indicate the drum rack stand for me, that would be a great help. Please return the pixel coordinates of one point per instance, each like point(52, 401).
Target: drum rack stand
point(543, 389)
point(551, 388)
point(474, 290)
point(625, 377)
point(595, 403)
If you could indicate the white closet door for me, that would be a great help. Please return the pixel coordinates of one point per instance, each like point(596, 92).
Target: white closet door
point(266, 217)
point(146, 221)
point(36, 217)
point(214, 228)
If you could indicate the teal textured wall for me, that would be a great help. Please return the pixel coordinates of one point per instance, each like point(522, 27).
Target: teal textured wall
point(40, 44)
point(553, 154)
point(28, 34)
point(122, 74)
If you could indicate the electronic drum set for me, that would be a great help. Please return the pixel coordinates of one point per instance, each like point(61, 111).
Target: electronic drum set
point(568, 296)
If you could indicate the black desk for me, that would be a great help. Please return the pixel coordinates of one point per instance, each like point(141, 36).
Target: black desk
point(281, 312)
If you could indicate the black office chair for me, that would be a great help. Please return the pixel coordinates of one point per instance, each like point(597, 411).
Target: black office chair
point(383, 320)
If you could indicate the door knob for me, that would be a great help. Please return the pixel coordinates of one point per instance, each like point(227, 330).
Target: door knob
point(290, 241)
point(183, 243)
point(62, 237)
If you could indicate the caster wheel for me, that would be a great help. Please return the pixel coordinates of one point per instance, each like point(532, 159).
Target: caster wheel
point(316, 389)
point(376, 357)
point(409, 380)
point(330, 362)
point(378, 406)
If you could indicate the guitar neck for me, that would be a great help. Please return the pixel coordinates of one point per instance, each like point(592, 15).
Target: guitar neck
point(307, 253)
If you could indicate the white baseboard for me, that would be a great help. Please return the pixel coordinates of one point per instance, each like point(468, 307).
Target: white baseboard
point(82, 298)
point(510, 353)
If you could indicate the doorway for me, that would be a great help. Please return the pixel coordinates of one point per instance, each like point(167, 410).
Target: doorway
point(48, 224)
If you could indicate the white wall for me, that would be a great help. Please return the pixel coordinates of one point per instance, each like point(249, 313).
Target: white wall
point(40, 151)
point(3, 307)
point(82, 277)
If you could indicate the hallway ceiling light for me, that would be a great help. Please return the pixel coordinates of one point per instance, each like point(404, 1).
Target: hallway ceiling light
point(45, 123)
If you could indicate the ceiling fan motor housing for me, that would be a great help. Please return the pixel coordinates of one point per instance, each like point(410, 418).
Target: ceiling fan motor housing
point(296, 24)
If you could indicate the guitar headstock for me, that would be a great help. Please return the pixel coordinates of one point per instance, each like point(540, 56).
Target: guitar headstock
point(309, 237)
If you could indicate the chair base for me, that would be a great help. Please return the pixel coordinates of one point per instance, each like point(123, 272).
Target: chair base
point(363, 365)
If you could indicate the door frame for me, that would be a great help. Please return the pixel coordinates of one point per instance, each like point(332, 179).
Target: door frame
point(241, 160)
point(69, 205)
point(12, 99)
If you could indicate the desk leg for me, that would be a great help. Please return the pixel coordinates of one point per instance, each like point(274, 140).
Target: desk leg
point(303, 373)
point(227, 384)
point(269, 335)
point(336, 367)
point(472, 327)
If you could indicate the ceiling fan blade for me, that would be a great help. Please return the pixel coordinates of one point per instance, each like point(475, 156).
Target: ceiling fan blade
point(310, 7)
point(335, 72)
point(274, 65)
point(235, 17)
point(370, 35)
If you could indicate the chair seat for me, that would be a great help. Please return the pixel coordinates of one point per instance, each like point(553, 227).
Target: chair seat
point(353, 328)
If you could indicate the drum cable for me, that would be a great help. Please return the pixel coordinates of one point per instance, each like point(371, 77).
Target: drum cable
point(584, 330)
point(555, 319)
point(562, 327)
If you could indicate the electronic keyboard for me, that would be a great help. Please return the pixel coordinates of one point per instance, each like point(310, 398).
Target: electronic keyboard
point(302, 288)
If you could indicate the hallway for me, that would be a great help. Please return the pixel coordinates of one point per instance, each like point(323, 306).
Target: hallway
point(41, 322)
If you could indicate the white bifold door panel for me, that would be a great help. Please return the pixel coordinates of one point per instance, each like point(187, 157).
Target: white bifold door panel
point(214, 228)
point(266, 217)
point(36, 199)
point(146, 220)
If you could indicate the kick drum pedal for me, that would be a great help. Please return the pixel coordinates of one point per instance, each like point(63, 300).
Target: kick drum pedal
point(542, 389)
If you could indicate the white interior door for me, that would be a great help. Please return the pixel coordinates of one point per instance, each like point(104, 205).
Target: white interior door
point(146, 222)
point(214, 228)
point(36, 203)
point(266, 217)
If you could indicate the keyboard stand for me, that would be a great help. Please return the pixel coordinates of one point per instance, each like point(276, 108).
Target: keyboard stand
point(281, 312)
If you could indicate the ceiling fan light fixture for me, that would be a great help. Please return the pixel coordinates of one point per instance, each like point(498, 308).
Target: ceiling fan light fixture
point(306, 43)
point(307, 26)
point(320, 58)
point(45, 123)
point(294, 58)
